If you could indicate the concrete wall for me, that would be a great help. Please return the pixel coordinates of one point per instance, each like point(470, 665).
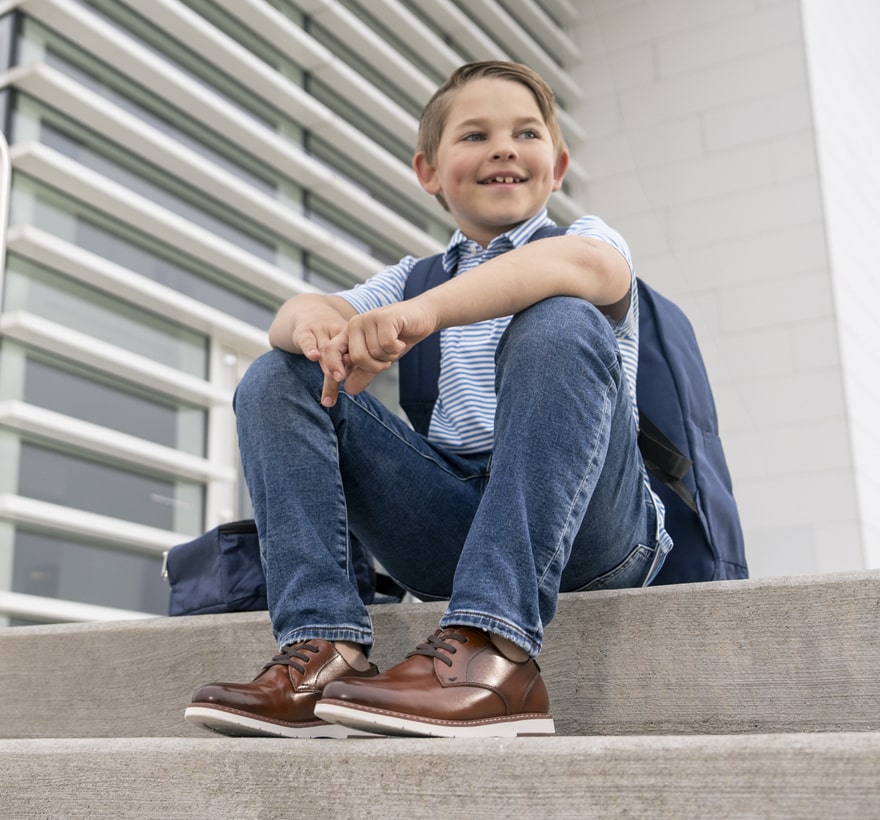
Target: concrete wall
point(702, 149)
point(843, 65)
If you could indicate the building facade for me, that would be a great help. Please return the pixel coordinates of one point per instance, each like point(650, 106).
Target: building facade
point(180, 167)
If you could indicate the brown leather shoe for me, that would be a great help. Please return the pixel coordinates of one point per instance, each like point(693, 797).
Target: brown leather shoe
point(280, 701)
point(456, 684)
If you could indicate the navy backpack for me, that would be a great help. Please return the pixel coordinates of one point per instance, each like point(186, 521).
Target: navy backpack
point(678, 430)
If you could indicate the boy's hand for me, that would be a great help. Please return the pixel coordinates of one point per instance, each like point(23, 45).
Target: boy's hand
point(371, 342)
point(305, 323)
point(311, 338)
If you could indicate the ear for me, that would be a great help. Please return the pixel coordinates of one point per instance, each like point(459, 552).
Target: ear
point(560, 168)
point(426, 173)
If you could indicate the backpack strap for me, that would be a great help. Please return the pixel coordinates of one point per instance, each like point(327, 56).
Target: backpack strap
point(419, 369)
point(664, 459)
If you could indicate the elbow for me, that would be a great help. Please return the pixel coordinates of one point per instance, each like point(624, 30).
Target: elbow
point(609, 271)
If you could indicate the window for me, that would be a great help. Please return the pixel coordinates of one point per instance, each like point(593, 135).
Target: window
point(45, 293)
point(64, 217)
point(146, 183)
point(68, 388)
point(328, 38)
point(425, 219)
point(70, 570)
point(74, 480)
point(175, 52)
point(48, 47)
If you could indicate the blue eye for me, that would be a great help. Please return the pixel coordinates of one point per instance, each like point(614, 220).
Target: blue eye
point(472, 137)
point(529, 133)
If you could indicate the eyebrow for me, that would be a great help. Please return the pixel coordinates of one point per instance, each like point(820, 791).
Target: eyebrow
point(479, 122)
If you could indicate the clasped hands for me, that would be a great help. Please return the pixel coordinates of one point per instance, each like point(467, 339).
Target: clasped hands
point(355, 351)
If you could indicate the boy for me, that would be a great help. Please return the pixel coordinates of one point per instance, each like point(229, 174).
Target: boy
point(529, 481)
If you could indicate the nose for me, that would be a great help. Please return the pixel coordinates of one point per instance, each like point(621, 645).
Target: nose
point(503, 149)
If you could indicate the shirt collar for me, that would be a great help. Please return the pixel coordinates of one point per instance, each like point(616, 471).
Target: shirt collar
point(460, 246)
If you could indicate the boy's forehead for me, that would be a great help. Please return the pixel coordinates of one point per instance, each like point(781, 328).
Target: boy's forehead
point(490, 96)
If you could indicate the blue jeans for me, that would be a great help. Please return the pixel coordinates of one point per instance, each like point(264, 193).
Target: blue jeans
point(559, 505)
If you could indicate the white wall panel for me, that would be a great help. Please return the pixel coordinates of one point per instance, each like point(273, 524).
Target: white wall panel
point(723, 204)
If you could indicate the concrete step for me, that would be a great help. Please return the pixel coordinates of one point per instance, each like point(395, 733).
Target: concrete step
point(787, 776)
point(798, 654)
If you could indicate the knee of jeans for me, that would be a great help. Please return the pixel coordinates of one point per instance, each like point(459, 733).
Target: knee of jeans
point(557, 324)
point(269, 373)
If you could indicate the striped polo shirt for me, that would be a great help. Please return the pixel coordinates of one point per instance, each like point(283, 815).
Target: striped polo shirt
point(463, 419)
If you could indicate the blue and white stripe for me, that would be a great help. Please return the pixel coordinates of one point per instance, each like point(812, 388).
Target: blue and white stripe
point(464, 415)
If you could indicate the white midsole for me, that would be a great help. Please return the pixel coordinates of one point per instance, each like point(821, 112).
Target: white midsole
point(393, 724)
point(231, 723)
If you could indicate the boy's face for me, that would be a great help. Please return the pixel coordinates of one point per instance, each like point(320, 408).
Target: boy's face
point(495, 163)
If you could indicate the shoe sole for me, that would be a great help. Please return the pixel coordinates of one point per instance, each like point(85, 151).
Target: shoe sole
point(394, 723)
point(236, 724)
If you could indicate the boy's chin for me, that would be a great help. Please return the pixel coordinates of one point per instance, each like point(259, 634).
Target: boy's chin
point(506, 220)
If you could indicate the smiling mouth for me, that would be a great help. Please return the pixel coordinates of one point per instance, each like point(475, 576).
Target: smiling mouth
point(506, 180)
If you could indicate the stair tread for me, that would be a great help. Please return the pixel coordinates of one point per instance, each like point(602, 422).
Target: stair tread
point(785, 775)
point(769, 655)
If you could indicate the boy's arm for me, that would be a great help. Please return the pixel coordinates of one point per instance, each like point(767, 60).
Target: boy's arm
point(569, 265)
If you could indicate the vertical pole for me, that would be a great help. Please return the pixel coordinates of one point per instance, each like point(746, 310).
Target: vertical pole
point(5, 186)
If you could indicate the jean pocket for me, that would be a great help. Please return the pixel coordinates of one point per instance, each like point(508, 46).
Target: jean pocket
point(632, 571)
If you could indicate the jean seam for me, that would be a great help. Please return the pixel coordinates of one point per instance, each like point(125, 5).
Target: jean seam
point(403, 440)
point(637, 551)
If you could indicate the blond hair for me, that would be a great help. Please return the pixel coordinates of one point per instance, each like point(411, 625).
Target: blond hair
point(433, 119)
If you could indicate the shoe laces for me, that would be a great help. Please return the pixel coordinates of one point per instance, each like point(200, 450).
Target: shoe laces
point(438, 641)
point(292, 654)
